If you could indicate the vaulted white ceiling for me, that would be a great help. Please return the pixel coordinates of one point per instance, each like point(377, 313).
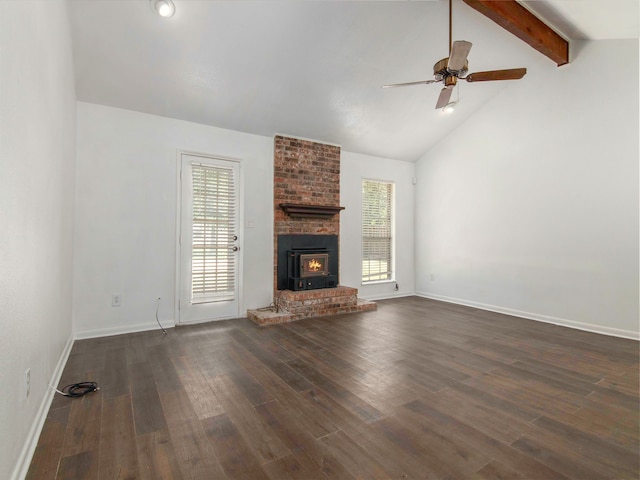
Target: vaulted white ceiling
point(310, 68)
point(589, 19)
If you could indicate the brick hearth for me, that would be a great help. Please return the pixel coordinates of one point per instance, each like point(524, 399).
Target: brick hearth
point(312, 303)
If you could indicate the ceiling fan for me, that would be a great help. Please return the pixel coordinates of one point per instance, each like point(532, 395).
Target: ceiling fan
point(455, 67)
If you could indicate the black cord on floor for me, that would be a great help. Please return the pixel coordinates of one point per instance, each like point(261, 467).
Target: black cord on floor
point(158, 308)
point(78, 389)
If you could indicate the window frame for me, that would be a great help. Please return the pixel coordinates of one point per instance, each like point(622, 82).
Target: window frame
point(392, 230)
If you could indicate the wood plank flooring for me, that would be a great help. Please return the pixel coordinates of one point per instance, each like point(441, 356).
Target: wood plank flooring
point(417, 390)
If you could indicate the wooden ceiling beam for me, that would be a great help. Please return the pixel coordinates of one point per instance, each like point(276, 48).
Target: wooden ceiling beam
point(516, 19)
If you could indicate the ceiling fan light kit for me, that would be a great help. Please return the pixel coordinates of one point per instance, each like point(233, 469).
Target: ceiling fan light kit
point(164, 8)
point(449, 107)
point(455, 67)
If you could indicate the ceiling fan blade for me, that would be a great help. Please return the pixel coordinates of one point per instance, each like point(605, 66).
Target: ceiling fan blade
point(512, 74)
point(409, 84)
point(445, 96)
point(458, 57)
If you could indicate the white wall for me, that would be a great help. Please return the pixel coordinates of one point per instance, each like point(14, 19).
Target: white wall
point(126, 215)
point(354, 168)
point(37, 137)
point(531, 206)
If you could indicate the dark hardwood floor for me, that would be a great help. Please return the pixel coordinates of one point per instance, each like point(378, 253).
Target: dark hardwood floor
point(417, 390)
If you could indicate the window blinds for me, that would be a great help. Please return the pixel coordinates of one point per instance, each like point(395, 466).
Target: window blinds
point(377, 231)
point(213, 234)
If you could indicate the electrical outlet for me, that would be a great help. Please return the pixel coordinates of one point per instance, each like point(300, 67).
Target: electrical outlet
point(27, 382)
point(116, 299)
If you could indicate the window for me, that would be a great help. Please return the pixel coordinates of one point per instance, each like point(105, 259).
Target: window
point(213, 234)
point(377, 231)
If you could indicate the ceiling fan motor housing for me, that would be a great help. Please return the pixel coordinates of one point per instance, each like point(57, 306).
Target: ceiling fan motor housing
point(441, 72)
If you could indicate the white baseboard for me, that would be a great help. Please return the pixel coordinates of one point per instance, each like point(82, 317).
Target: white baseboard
point(111, 331)
point(588, 327)
point(24, 460)
point(387, 296)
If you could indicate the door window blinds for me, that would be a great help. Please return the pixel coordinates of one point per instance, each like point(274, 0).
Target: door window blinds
point(213, 234)
point(377, 231)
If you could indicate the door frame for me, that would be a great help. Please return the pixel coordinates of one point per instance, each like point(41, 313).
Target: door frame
point(178, 266)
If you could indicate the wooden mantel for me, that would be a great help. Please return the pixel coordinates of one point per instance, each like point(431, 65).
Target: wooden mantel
point(314, 211)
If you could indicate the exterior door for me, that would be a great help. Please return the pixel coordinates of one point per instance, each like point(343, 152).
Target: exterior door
point(209, 239)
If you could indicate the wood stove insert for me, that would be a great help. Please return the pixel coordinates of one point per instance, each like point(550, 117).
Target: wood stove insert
point(307, 262)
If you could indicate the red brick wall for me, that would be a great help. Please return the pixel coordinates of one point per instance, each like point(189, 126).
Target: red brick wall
point(306, 173)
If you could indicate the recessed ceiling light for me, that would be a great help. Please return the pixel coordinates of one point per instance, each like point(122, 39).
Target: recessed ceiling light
point(164, 8)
